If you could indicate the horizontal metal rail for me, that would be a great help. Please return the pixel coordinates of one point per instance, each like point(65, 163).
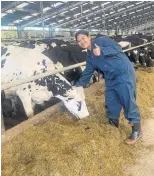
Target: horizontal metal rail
point(42, 75)
point(10, 40)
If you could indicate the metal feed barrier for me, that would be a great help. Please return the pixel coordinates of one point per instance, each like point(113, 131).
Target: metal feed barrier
point(42, 75)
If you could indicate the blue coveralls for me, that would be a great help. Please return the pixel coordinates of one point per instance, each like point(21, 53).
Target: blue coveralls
point(119, 76)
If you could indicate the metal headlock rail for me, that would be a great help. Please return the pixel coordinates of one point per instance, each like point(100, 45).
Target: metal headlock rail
point(42, 75)
point(29, 39)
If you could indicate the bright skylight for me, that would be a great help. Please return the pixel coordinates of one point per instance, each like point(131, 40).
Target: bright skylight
point(131, 13)
point(26, 17)
point(60, 20)
point(97, 18)
point(47, 19)
point(17, 21)
point(76, 14)
point(120, 9)
point(147, 7)
point(63, 12)
point(3, 14)
point(111, 12)
point(139, 10)
point(84, 4)
point(10, 11)
point(22, 5)
point(52, 23)
point(123, 15)
point(73, 8)
point(95, 7)
point(139, 2)
point(86, 11)
point(67, 18)
point(37, 23)
point(46, 9)
point(130, 6)
point(111, 20)
point(106, 3)
point(57, 4)
point(35, 14)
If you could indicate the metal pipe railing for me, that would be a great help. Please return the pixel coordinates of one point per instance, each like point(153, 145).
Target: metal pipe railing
point(42, 75)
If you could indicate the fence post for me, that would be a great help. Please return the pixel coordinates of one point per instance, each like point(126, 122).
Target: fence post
point(2, 123)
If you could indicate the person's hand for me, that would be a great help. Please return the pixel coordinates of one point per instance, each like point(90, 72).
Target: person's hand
point(74, 87)
point(97, 50)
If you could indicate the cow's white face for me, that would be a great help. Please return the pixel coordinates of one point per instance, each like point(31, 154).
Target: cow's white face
point(124, 44)
point(135, 51)
point(53, 44)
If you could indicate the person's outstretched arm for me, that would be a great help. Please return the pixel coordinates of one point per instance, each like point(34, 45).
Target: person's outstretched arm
point(86, 75)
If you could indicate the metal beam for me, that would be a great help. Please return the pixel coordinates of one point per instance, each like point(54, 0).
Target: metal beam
point(141, 27)
point(26, 10)
point(10, 6)
point(110, 16)
point(91, 14)
point(33, 22)
point(130, 18)
point(121, 12)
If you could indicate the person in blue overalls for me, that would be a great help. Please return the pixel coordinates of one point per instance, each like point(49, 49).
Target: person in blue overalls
point(120, 80)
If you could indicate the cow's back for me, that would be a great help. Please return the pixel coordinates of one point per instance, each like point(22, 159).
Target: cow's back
point(24, 62)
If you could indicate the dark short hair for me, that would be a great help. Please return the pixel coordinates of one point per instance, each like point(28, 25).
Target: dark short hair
point(81, 32)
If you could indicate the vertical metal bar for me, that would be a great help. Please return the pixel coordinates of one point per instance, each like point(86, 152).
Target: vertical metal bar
point(41, 8)
point(19, 31)
point(81, 14)
point(2, 123)
point(104, 20)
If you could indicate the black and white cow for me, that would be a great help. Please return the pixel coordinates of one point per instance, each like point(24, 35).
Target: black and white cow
point(19, 63)
point(139, 55)
point(63, 54)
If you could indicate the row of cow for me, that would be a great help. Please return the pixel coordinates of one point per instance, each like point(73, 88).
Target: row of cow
point(140, 56)
point(26, 59)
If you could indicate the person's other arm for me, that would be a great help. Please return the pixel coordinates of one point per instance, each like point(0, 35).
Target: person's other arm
point(110, 50)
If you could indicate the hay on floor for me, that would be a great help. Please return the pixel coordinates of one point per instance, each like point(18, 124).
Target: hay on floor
point(89, 147)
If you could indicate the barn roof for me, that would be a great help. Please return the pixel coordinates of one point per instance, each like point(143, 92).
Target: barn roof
point(77, 14)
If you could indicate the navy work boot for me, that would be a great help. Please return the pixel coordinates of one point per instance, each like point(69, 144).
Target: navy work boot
point(135, 135)
point(114, 122)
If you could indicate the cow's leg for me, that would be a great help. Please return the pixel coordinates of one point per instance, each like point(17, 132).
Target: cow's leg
point(25, 97)
point(142, 60)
